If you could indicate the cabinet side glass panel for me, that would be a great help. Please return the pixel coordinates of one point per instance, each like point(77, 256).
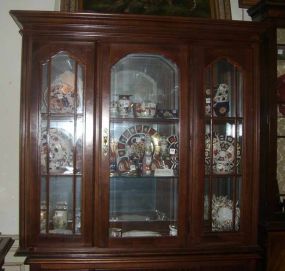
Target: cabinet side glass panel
point(61, 145)
point(281, 116)
point(144, 152)
point(223, 146)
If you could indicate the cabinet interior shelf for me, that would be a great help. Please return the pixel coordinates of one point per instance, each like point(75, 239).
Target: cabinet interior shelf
point(223, 175)
point(149, 120)
point(61, 174)
point(151, 177)
point(62, 116)
point(218, 120)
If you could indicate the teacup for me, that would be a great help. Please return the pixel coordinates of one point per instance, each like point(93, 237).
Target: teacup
point(172, 230)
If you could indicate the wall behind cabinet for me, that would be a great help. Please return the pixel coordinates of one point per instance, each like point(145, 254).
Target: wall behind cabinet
point(10, 65)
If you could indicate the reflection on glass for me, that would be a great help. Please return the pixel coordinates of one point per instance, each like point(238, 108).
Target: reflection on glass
point(61, 84)
point(79, 144)
point(144, 138)
point(45, 86)
point(62, 90)
point(239, 90)
point(144, 86)
point(61, 136)
point(239, 150)
point(43, 207)
point(78, 210)
point(80, 87)
point(57, 143)
point(143, 204)
point(44, 146)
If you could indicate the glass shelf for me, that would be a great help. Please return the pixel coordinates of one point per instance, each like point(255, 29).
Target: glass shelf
point(147, 120)
point(151, 177)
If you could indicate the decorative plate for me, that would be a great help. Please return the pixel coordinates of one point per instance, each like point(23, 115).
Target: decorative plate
point(222, 214)
point(132, 141)
point(172, 161)
point(224, 157)
point(59, 146)
point(62, 94)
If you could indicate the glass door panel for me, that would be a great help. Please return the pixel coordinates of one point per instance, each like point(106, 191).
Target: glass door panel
point(144, 138)
point(61, 145)
point(223, 146)
point(281, 116)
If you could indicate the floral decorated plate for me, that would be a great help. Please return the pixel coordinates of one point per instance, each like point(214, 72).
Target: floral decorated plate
point(226, 153)
point(222, 214)
point(58, 147)
point(132, 141)
point(61, 98)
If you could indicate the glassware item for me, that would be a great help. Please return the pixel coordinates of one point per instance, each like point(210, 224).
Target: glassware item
point(115, 232)
point(60, 216)
point(172, 230)
point(124, 105)
point(144, 110)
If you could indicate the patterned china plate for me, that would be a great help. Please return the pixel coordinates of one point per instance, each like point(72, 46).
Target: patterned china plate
point(224, 157)
point(132, 140)
point(222, 214)
point(60, 145)
point(62, 94)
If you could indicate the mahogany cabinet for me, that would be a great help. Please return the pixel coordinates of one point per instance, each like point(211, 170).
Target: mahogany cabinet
point(139, 142)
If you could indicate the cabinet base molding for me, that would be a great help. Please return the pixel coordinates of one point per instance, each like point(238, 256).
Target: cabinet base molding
point(205, 262)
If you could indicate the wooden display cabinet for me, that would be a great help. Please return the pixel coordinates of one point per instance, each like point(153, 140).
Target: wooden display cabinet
point(139, 142)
